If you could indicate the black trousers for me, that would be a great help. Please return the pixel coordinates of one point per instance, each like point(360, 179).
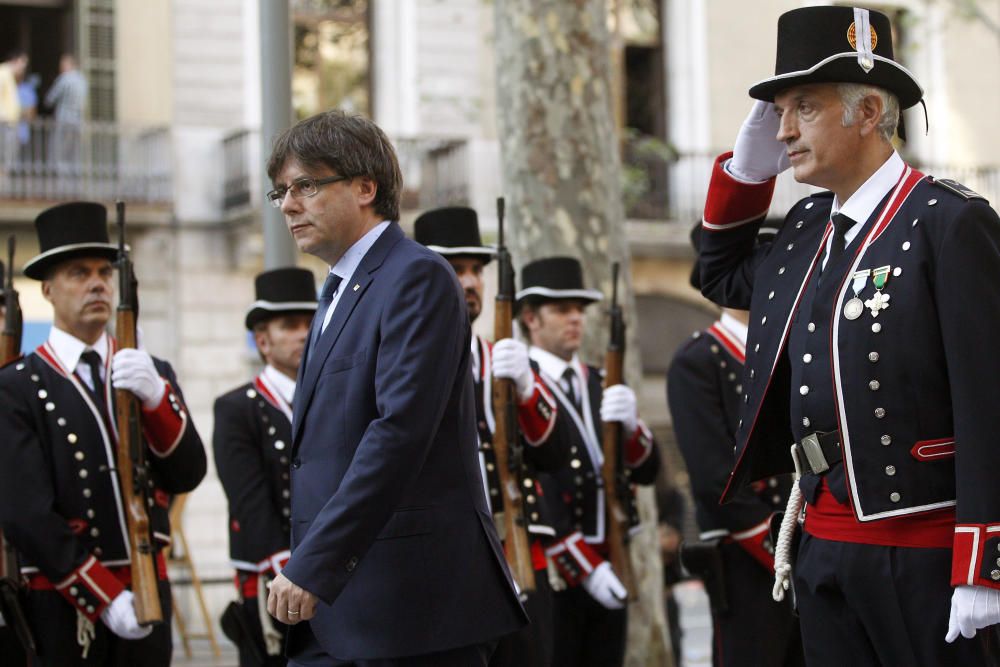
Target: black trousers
point(586, 633)
point(754, 630)
point(531, 646)
point(53, 621)
point(864, 605)
point(11, 652)
point(248, 608)
point(304, 650)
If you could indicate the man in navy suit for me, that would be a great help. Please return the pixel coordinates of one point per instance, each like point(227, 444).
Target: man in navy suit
point(387, 496)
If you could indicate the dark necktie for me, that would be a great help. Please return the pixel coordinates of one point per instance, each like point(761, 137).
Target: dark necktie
point(93, 361)
point(841, 223)
point(568, 376)
point(325, 299)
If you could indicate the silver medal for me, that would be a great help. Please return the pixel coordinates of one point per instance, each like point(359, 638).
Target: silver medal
point(854, 308)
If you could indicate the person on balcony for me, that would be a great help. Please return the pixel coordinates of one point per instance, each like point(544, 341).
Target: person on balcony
point(67, 98)
point(12, 70)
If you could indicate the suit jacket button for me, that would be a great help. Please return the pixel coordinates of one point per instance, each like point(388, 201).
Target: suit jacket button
point(296, 463)
point(351, 564)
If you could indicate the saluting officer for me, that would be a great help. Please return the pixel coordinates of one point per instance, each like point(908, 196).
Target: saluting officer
point(871, 346)
point(704, 391)
point(589, 609)
point(253, 427)
point(454, 233)
point(60, 501)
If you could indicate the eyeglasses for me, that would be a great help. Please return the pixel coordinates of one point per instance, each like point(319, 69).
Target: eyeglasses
point(303, 187)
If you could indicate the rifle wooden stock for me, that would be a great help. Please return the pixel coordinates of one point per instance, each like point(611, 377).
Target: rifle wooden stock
point(506, 439)
point(612, 470)
point(131, 453)
point(9, 349)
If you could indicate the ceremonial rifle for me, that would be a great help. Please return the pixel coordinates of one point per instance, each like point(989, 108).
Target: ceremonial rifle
point(132, 470)
point(11, 593)
point(506, 440)
point(616, 486)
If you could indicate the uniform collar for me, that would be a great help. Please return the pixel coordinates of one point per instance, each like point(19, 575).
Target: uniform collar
point(553, 366)
point(734, 327)
point(68, 348)
point(281, 383)
point(860, 206)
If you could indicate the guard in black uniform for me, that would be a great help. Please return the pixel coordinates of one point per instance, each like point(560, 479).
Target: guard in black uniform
point(704, 391)
point(60, 504)
point(253, 427)
point(590, 615)
point(870, 346)
point(454, 233)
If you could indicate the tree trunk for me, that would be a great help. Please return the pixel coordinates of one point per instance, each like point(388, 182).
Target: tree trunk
point(562, 183)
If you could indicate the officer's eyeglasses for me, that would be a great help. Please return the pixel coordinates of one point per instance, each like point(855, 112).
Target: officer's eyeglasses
point(300, 188)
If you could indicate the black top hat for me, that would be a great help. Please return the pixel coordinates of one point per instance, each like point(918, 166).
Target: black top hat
point(451, 231)
point(76, 229)
point(824, 45)
point(282, 291)
point(554, 278)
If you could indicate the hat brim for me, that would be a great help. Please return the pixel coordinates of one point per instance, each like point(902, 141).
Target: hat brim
point(38, 266)
point(549, 294)
point(486, 253)
point(265, 310)
point(844, 68)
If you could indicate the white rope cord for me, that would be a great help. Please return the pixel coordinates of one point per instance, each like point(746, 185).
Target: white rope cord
point(782, 550)
point(272, 638)
point(85, 633)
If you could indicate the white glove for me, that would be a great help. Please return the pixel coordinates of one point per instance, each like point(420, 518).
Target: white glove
point(134, 370)
point(758, 155)
point(605, 587)
point(120, 618)
point(618, 405)
point(510, 361)
point(972, 608)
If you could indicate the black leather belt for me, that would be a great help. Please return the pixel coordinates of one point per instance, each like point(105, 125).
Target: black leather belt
point(817, 452)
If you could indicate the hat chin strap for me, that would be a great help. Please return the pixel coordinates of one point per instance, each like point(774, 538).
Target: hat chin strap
point(863, 39)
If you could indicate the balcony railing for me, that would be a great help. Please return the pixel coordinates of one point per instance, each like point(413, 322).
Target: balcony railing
point(46, 160)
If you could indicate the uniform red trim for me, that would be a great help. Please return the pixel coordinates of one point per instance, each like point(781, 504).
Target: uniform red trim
point(537, 421)
point(264, 391)
point(538, 560)
point(574, 548)
point(731, 203)
point(164, 425)
point(638, 447)
point(830, 520)
point(752, 541)
point(933, 450)
point(974, 553)
point(726, 339)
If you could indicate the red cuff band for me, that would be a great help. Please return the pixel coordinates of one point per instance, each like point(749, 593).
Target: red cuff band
point(975, 559)
point(164, 425)
point(90, 588)
point(731, 203)
point(574, 558)
point(757, 542)
point(638, 447)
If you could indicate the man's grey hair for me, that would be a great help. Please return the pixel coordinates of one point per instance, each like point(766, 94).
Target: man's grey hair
point(851, 95)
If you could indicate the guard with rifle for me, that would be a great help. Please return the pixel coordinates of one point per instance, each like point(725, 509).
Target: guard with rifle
point(86, 476)
point(735, 555)
point(251, 443)
point(516, 425)
point(584, 497)
point(15, 636)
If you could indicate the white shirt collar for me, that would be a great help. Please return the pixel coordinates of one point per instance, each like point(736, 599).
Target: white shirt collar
point(350, 260)
point(552, 365)
point(68, 348)
point(860, 206)
point(734, 326)
point(284, 385)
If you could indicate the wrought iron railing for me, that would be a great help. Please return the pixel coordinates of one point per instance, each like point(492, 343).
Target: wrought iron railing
point(47, 160)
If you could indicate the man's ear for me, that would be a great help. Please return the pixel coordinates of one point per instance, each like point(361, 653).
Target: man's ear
point(47, 290)
point(868, 114)
point(366, 189)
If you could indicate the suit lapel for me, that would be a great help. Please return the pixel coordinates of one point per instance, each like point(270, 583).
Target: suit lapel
point(353, 290)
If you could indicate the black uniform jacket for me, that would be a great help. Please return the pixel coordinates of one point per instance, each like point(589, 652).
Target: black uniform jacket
point(543, 448)
point(60, 501)
point(705, 391)
point(911, 387)
point(575, 494)
point(251, 443)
